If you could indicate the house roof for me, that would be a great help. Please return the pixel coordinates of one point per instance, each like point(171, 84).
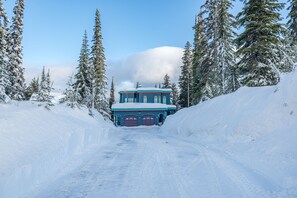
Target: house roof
point(141, 107)
point(146, 89)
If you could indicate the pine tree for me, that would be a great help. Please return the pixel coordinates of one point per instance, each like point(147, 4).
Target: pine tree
point(71, 95)
point(4, 82)
point(15, 52)
point(166, 84)
point(213, 85)
point(43, 94)
point(199, 64)
point(286, 53)
point(289, 44)
point(185, 79)
point(292, 22)
point(48, 82)
point(112, 97)
point(98, 62)
point(174, 94)
point(83, 77)
point(33, 88)
point(4, 74)
point(222, 69)
point(227, 57)
point(258, 43)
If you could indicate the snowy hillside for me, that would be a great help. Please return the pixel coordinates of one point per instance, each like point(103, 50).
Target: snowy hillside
point(255, 127)
point(38, 145)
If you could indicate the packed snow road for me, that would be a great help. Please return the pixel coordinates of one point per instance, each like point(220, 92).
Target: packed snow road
point(145, 163)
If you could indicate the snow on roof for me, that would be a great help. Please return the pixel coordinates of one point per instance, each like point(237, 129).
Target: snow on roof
point(146, 89)
point(142, 106)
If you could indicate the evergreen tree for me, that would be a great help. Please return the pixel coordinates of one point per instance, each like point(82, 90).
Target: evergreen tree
point(98, 64)
point(48, 82)
point(227, 57)
point(289, 44)
point(112, 97)
point(15, 53)
point(166, 84)
point(4, 82)
point(199, 65)
point(212, 81)
point(286, 53)
point(174, 94)
point(258, 43)
point(185, 79)
point(292, 22)
point(83, 77)
point(33, 88)
point(222, 69)
point(71, 95)
point(4, 75)
point(43, 94)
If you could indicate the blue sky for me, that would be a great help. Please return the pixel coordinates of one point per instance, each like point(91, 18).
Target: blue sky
point(133, 32)
point(53, 28)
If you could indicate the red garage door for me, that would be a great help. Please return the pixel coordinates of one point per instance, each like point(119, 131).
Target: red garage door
point(131, 121)
point(148, 120)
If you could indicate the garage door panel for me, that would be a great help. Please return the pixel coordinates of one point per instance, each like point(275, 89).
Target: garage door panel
point(131, 121)
point(148, 120)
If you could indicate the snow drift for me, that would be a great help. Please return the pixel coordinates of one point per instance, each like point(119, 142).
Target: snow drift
point(256, 126)
point(38, 145)
point(249, 113)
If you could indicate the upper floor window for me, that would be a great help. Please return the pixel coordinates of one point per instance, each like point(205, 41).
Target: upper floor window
point(159, 101)
point(126, 100)
point(130, 100)
point(164, 99)
point(145, 99)
point(156, 99)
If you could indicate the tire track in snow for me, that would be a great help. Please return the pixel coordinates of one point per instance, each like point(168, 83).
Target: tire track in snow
point(241, 178)
point(170, 176)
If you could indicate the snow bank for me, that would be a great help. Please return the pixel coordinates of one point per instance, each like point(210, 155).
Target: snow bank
point(38, 145)
point(255, 126)
point(247, 114)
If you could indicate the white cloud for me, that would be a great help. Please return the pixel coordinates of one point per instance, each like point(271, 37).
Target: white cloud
point(124, 85)
point(148, 67)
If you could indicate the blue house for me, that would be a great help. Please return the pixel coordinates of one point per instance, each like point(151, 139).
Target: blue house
point(143, 106)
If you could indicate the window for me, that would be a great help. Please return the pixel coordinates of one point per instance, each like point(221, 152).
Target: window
point(156, 99)
point(159, 101)
point(126, 100)
point(130, 100)
point(144, 99)
point(164, 100)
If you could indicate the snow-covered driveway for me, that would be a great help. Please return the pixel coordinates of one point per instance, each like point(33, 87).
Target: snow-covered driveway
point(145, 163)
